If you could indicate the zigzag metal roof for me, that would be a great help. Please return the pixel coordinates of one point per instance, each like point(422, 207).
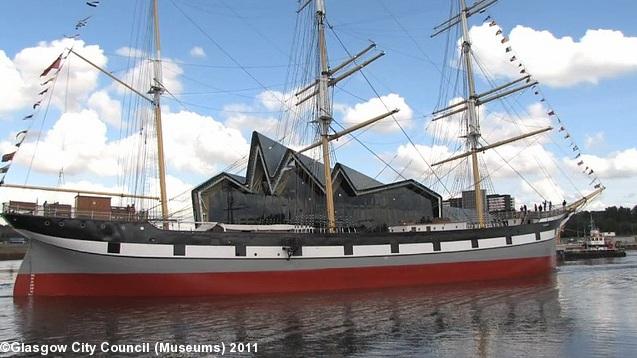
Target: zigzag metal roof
point(274, 157)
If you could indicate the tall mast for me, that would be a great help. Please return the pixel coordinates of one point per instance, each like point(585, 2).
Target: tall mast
point(156, 90)
point(473, 124)
point(325, 114)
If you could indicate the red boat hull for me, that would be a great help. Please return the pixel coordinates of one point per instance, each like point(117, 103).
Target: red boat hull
point(242, 283)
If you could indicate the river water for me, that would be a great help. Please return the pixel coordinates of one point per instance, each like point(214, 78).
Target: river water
point(588, 308)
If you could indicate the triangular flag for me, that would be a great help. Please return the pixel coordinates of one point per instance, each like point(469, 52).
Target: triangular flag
point(47, 81)
point(578, 155)
point(43, 92)
point(27, 117)
point(513, 58)
point(499, 32)
point(508, 49)
point(580, 162)
point(8, 157)
point(36, 104)
point(20, 139)
point(504, 40)
point(551, 113)
point(492, 23)
point(4, 169)
point(55, 65)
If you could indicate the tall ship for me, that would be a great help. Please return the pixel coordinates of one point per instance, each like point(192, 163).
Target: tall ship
point(295, 220)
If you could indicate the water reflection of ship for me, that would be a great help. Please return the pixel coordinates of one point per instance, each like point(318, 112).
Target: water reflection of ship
point(477, 320)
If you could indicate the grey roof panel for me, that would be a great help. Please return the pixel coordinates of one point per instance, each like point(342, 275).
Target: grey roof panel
point(360, 180)
point(273, 152)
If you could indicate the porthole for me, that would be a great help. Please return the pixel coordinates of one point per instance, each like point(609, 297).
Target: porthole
point(47, 223)
point(255, 254)
point(61, 224)
point(103, 226)
point(83, 225)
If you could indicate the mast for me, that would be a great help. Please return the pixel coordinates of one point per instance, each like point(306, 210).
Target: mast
point(473, 124)
point(156, 89)
point(325, 114)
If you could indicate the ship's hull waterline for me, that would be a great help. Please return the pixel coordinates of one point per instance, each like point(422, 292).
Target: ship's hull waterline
point(71, 266)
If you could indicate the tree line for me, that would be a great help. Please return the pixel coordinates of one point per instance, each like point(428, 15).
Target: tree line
point(621, 220)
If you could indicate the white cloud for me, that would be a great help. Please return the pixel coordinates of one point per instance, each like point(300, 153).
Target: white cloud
point(140, 76)
point(13, 90)
point(594, 140)
point(197, 52)
point(499, 125)
point(239, 118)
point(109, 110)
point(546, 189)
point(597, 55)
point(76, 142)
point(129, 52)
point(621, 164)
point(199, 143)
point(361, 112)
point(21, 81)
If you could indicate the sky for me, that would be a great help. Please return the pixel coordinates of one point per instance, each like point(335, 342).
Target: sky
point(226, 63)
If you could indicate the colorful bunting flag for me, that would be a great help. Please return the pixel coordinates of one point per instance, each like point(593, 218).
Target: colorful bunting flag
point(8, 157)
point(55, 65)
point(5, 169)
point(47, 81)
point(20, 137)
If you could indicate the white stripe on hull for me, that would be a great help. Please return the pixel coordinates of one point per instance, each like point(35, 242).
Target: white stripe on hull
point(279, 252)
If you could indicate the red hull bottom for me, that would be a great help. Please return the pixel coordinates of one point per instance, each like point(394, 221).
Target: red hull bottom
point(242, 283)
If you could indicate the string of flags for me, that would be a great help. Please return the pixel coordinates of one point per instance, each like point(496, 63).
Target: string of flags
point(537, 91)
point(49, 75)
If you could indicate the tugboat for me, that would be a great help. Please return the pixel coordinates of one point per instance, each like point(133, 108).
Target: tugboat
point(595, 246)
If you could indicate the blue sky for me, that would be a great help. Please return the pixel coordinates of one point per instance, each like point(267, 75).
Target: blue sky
point(258, 35)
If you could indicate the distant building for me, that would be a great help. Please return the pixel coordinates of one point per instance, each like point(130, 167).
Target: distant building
point(455, 202)
point(500, 202)
point(469, 199)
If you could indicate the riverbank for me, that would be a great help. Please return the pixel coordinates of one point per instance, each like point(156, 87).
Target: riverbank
point(12, 251)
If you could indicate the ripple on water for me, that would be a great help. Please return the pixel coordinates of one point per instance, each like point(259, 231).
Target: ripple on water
point(581, 310)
